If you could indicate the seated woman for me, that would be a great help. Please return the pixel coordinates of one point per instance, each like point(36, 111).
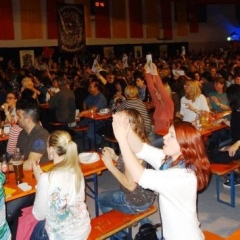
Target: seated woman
point(181, 169)
point(143, 92)
point(11, 117)
point(59, 203)
point(130, 198)
point(218, 99)
point(132, 101)
point(231, 151)
point(218, 102)
point(9, 107)
point(118, 97)
point(193, 102)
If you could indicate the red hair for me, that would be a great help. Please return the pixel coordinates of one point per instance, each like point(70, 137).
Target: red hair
point(193, 151)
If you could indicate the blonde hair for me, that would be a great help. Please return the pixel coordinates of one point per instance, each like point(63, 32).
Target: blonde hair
point(137, 123)
point(195, 90)
point(131, 91)
point(63, 144)
point(27, 82)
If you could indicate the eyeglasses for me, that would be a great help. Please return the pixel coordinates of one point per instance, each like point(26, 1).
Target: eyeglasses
point(10, 98)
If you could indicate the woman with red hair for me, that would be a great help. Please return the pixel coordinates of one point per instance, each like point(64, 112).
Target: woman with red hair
point(181, 169)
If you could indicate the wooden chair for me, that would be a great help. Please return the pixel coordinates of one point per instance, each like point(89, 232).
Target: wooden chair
point(221, 170)
point(109, 223)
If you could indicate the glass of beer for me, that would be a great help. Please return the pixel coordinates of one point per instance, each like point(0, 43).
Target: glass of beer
point(17, 161)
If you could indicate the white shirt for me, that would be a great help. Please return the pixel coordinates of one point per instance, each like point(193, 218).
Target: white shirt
point(199, 104)
point(177, 188)
point(64, 210)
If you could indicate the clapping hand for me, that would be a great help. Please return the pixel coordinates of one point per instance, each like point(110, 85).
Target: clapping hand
point(37, 171)
point(108, 155)
point(121, 125)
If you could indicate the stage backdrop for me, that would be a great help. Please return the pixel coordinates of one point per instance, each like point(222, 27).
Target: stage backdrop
point(71, 34)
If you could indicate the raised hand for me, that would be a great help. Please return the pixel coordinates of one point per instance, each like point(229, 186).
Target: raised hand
point(121, 126)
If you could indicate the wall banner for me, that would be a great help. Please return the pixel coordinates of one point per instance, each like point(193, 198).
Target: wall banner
point(71, 32)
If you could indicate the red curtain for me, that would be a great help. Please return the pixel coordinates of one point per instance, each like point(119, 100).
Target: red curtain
point(166, 19)
point(182, 24)
point(135, 19)
point(31, 19)
point(6, 21)
point(87, 16)
point(152, 19)
point(193, 17)
point(119, 21)
point(52, 27)
point(102, 21)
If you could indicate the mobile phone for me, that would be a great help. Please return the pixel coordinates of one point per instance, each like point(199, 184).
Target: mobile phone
point(183, 51)
point(149, 59)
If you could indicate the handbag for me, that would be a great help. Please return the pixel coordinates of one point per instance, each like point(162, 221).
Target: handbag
point(146, 232)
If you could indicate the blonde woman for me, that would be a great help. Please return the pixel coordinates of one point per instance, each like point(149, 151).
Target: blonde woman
point(59, 203)
point(193, 102)
point(133, 101)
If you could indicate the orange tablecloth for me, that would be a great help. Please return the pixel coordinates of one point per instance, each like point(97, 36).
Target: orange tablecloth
point(4, 137)
point(207, 129)
point(87, 169)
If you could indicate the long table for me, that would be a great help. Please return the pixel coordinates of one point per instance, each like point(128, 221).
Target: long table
point(206, 129)
point(4, 137)
point(97, 117)
point(90, 172)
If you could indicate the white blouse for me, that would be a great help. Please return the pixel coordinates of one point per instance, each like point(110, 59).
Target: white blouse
point(63, 208)
point(199, 104)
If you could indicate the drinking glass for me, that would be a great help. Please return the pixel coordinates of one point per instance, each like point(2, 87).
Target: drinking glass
point(17, 161)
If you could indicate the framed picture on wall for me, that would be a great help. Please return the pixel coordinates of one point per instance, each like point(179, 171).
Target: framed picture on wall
point(26, 58)
point(108, 52)
point(137, 51)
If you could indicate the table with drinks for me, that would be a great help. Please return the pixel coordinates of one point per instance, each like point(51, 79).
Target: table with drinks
point(22, 183)
point(98, 116)
point(206, 125)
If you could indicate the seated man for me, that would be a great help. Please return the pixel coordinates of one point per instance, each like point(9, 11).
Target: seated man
point(32, 142)
point(63, 103)
point(93, 103)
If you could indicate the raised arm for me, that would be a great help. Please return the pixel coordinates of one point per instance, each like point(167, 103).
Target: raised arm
point(150, 83)
point(160, 88)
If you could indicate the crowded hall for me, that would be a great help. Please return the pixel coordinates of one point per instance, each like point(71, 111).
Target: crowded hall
point(119, 119)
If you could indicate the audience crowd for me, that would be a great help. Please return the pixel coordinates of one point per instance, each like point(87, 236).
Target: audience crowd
point(182, 87)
